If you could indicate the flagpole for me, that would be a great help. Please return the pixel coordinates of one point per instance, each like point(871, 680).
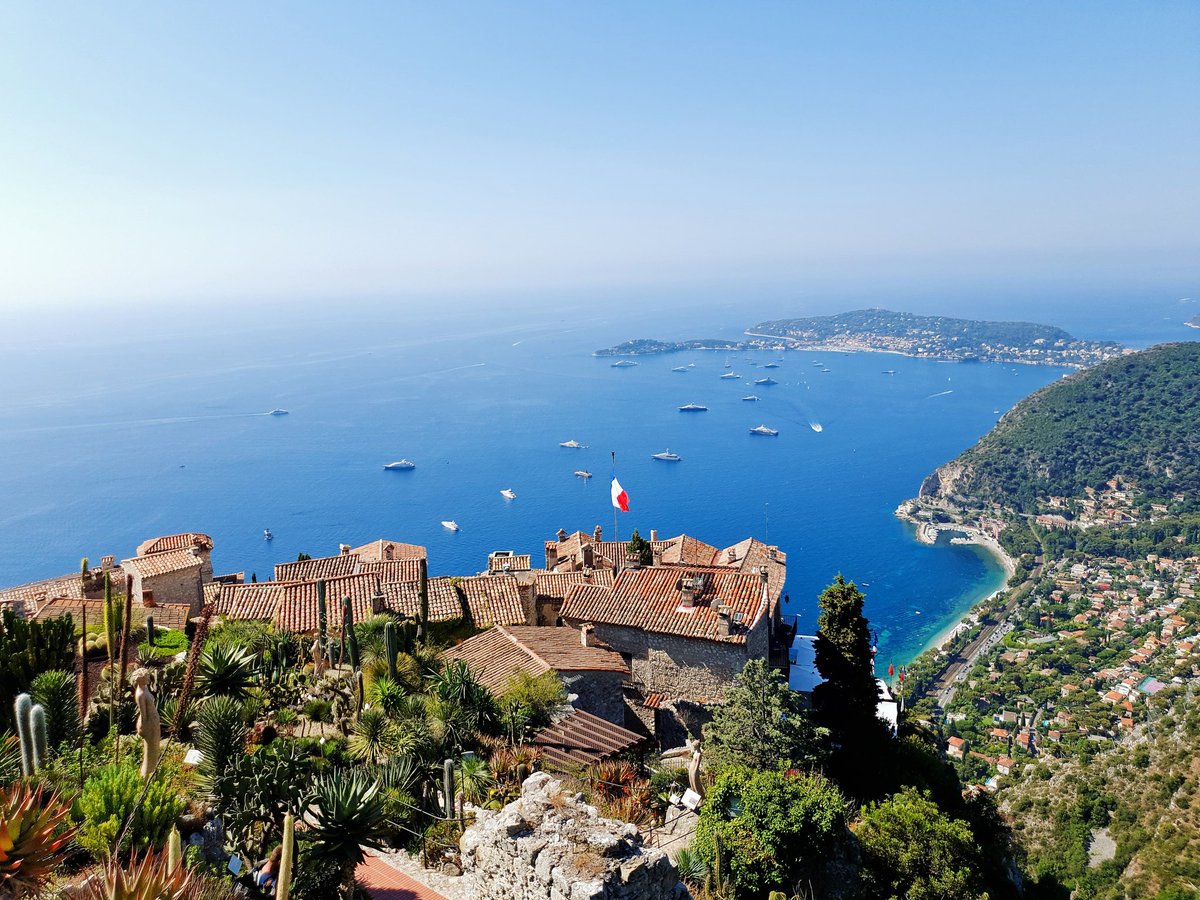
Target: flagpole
point(614, 472)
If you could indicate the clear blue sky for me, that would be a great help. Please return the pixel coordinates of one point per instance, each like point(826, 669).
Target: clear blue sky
point(151, 152)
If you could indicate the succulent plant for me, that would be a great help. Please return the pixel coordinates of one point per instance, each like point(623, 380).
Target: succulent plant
point(148, 878)
point(29, 845)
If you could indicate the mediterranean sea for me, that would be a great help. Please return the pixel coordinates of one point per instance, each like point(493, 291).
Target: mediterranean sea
point(135, 424)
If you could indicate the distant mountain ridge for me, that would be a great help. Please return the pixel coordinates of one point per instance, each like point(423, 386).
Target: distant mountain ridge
point(1137, 417)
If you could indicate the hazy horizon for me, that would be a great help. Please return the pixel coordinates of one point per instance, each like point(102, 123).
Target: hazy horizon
point(233, 154)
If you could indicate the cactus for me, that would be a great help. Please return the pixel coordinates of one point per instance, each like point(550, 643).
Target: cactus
point(423, 590)
point(37, 728)
point(85, 572)
point(391, 646)
point(448, 786)
point(174, 850)
point(322, 618)
point(283, 881)
point(348, 631)
point(150, 631)
point(21, 711)
point(361, 694)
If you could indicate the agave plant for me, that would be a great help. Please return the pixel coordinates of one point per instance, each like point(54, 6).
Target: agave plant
point(692, 868)
point(347, 816)
point(373, 736)
point(222, 735)
point(149, 878)
point(475, 779)
point(225, 671)
point(29, 848)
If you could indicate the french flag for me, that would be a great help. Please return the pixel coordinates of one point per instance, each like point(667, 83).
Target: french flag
point(620, 499)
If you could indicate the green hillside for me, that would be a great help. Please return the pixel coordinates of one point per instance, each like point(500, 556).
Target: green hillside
point(1137, 416)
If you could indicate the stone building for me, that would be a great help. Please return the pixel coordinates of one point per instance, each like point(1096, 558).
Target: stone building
point(171, 570)
point(593, 672)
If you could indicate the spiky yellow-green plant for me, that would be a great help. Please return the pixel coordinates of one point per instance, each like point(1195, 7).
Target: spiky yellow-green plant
point(149, 878)
point(29, 847)
point(284, 883)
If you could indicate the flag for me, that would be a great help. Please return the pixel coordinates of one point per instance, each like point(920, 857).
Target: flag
point(620, 499)
point(891, 670)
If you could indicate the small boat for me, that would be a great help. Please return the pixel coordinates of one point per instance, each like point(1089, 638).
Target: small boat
point(766, 381)
point(267, 536)
point(889, 371)
point(816, 426)
point(667, 456)
point(731, 375)
point(680, 369)
point(728, 364)
point(401, 464)
point(751, 399)
point(693, 407)
point(450, 525)
point(573, 445)
point(623, 364)
point(581, 473)
point(771, 365)
point(508, 494)
point(278, 412)
point(764, 430)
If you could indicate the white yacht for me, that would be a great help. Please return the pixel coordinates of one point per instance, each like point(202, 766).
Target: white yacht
point(401, 464)
point(731, 375)
point(771, 365)
point(278, 412)
point(763, 429)
point(766, 381)
point(751, 399)
point(450, 525)
point(508, 494)
point(267, 536)
point(667, 456)
point(816, 426)
point(573, 445)
point(623, 364)
point(680, 369)
point(693, 407)
point(582, 473)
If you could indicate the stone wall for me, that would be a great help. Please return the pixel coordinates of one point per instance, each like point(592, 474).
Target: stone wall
point(599, 694)
point(550, 845)
point(184, 586)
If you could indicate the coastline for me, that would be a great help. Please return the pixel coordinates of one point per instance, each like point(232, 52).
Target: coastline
point(854, 347)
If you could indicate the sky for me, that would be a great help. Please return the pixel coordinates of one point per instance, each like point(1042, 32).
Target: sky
point(159, 153)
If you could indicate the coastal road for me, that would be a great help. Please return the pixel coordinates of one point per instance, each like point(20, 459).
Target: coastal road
point(957, 666)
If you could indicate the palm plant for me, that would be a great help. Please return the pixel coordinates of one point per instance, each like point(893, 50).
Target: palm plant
point(225, 671)
point(388, 694)
point(346, 817)
point(29, 849)
point(222, 735)
point(149, 878)
point(372, 736)
point(475, 779)
point(55, 691)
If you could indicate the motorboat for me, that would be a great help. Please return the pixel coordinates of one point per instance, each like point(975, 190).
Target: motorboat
point(267, 536)
point(766, 381)
point(450, 525)
point(764, 430)
point(680, 369)
point(278, 412)
point(573, 445)
point(731, 375)
point(889, 371)
point(816, 426)
point(751, 399)
point(581, 473)
point(693, 407)
point(771, 365)
point(623, 364)
point(401, 464)
point(667, 456)
point(508, 494)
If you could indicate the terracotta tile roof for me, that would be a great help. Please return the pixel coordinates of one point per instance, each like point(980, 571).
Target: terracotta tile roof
point(490, 599)
point(520, 562)
point(166, 615)
point(297, 607)
point(580, 739)
point(394, 571)
point(183, 541)
point(162, 562)
point(499, 652)
point(688, 551)
point(445, 603)
point(650, 599)
point(494, 600)
point(555, 585)
point(321, 567)
point(26, 599)
point(382, 551)
point(616, 553)
point(654, 701)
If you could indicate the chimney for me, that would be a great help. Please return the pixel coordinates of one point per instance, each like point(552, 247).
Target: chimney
point(687, 589)
point(773, 552)
point(585, 634)
point(653, 534)
point(597, 533)
point(562, 534)
point(657, 555)
point(107, 562)
point(732, 554)
point(724, 625)
point(344, 549)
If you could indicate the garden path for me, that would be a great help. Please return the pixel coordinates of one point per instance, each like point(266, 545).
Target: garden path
point(384, 881)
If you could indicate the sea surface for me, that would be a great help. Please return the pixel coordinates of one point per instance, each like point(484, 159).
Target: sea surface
point(121, 427)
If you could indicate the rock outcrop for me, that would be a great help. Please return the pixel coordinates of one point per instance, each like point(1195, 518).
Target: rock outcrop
point(551, 845)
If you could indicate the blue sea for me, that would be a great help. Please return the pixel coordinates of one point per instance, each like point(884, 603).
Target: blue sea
point(122, 426)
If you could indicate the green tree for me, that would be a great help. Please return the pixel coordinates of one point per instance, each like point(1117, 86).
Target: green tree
point(639, 548)
point(912, 850)
point(774, 830)
point(762, 725)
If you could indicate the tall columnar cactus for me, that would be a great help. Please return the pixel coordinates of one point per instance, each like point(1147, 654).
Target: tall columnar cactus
point(348, 631)
point(448, 786)
point(174, 850)
point(322, 618)
point(21, 712)
point(283, 882)
point(150, 632)
point(37, 728)
point(110, 619)
point(391, 646)
point(85, 572)
point(423, 588)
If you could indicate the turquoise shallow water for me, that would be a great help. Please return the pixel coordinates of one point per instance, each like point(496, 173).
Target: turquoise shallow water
point(112, 435)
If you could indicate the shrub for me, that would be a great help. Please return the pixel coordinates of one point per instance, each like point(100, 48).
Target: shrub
point(28, 648)
point(225, 672)
point(109, 797)
point(168, 642)
point(222, 735)
point(55, 691)
point(319, 710)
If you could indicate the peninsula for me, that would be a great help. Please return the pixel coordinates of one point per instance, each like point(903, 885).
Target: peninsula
point(908, 334)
